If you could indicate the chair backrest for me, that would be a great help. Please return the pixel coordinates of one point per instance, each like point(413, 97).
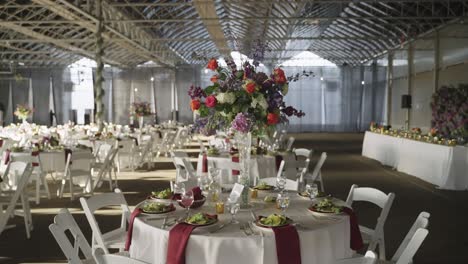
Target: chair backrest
point(64, 222)
point(103, 151)
point(126, 145)
point(25, 170)
point(202, 146)
point(318, 166)
point(106, 166)
point(413, 246)
point(115, 259)
point(302, 152)
point(290, 143)
point(404, 249)
point(291, 185)
point(374, 196)
point(304, 170)
point(184, 168)
point(96, 202)
point(13, 174)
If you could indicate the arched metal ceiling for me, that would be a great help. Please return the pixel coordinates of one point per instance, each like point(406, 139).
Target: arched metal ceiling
point(170, 32)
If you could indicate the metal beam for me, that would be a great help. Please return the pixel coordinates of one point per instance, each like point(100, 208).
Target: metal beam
point(58, 43)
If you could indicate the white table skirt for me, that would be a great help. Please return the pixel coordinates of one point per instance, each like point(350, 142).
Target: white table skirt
point(444, 166)
point(323, 242)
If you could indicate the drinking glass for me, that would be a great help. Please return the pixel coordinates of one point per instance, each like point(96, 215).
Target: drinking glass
point(281, 183)
point(312, 189)
point(204, 183)
point(234, 207)
point(187, 200)
point(179, 187)
point(283, 202)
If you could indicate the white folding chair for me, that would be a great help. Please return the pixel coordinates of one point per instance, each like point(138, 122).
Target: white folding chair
point(369, 258)
point(412, 241)
point(14, 193)
point(115, 259)
point(78, 173)
point(38, 175)
point(225, 166)
point(290, 143)
point(106, 168)
point(316, 175)
point(166, 144)
point(375, 237)
point(291, 185)
point(303, 152)
point(184, 168)
point(127, 149)
point(112, 239)
point(181, 137)
point(64, 223)
point(144, 154)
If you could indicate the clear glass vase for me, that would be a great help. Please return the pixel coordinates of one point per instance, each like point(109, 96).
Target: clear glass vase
point(244, 145)
point(141, 119)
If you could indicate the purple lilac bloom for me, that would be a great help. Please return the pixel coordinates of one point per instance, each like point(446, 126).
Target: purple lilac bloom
point(241, 123)
point(196, 92)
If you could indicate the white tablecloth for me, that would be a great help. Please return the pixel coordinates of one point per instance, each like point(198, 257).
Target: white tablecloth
point(323, 241)
point(444, 166)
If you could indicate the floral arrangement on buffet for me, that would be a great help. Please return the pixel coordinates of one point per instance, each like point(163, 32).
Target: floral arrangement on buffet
point(23, 111)
point(450, 111)
point(141, 109)
point(433, 136)
point(244, 100)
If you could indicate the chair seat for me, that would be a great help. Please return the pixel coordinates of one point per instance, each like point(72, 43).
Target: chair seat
point(366, 233)
point(115, 238)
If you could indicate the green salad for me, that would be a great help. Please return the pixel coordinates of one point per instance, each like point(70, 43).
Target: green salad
point(274, 220)
point(264, 186)
point(156, 208)
point(327, 206)
point(212, 151)
point(270, 199)
point(164, 194)
point(200, 219)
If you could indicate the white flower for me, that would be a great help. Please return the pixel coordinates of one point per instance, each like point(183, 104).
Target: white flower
point(226, 98)
point(260, 101)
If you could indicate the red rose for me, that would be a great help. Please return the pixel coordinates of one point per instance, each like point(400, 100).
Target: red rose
point(195, 104)
point(214, 79)
point(211, 101)
point(212, 64)
point(272, 119)
point(280, 78)
point(250, 86)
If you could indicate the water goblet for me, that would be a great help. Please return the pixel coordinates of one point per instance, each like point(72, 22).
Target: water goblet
point(283, 202)
point(281, 183)
point(187, 200)
point(178, 187)
point(313, 190)
point(234, 207)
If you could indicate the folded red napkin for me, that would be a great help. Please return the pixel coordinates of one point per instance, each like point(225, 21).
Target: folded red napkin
point(67, 151)
point(235, 159)
point(134, 214)
point(288, 246)
point(178, 238)
point(34, 154)
point(204, 163)
point(7, 156)
point(278, 159)
point(1, 143)
point(356, 238)
point(197, 193)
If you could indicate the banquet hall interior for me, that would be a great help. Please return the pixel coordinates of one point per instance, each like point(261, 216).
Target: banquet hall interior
point(234, 131)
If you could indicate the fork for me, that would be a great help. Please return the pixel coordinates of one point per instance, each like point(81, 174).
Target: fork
point(242, 227)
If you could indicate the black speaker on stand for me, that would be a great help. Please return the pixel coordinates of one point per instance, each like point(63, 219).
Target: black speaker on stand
point(406, 101)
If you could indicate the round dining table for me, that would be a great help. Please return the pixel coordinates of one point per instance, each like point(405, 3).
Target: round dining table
point(323, 239)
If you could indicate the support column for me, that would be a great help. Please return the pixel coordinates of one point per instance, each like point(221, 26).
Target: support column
point(374, 90)
point(436, 60)
point(98, 91)
point(389, 87)
point(410, 83)
point(110, 102)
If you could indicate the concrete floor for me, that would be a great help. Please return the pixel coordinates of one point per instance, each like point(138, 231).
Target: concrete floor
point(448, 236)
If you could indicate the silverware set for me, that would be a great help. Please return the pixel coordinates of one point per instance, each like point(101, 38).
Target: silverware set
point(248, 230)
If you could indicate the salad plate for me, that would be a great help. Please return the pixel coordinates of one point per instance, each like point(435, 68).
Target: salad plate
point(263, 186)
point(162, 196)
point(151, 207)
point(327, 206)
point(201, 219)
point(273, 220)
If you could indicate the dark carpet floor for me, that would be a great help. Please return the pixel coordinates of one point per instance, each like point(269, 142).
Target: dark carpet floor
point(447, 241)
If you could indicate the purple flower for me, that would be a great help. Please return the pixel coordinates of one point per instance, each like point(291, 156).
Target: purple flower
point(241, 123)
point(196, 92)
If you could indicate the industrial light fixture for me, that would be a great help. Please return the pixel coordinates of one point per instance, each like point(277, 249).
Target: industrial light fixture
point(152, 79)
point(363, 82)
point(136, 89)
point(321, 78)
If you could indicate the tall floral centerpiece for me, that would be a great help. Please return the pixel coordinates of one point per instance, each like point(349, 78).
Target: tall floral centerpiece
point(141, 109)
point(23, 112)
point(244, 100)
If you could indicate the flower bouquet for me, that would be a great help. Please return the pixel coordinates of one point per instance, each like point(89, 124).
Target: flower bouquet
point(141, 109)
point(23, 112)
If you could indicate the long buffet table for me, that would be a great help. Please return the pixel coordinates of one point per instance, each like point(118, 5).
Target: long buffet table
point(444, 166)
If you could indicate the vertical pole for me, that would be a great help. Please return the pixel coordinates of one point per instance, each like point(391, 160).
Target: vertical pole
point(374, 91)
point(99, 91)
point(389, 87)
point(110, 102)
point(410, 83)
point(436, 60)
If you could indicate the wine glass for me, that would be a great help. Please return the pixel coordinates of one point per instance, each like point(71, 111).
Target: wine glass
point(187, 200)
point(234, 207)
point(281, 183)
point(283, 202)
point(178, 187)
point(312, 189)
